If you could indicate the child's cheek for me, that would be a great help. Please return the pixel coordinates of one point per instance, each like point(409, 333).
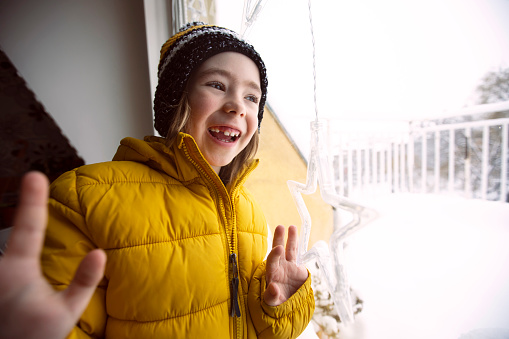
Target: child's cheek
point(202, 104)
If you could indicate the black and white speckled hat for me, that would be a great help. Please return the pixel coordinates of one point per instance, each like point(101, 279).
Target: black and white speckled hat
point(184, 52)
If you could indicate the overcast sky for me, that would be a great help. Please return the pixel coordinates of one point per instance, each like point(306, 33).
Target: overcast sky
point(393, 60)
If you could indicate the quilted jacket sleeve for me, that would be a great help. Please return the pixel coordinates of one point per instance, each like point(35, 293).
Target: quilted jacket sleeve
point(287, 320)
point(67, 243)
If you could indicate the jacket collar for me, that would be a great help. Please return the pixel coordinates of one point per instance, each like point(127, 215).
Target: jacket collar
point(183, 160)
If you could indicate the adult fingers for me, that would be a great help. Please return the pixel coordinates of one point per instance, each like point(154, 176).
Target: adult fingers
point(82, 287)
point(279, 236)
point(27, 235)
point(292, 244)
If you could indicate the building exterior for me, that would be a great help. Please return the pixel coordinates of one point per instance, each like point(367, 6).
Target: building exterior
point(281, 161)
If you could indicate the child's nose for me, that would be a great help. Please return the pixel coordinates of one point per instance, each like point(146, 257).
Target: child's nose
point(235, 104)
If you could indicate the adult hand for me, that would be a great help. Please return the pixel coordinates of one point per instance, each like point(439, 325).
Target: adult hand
point(29, 306)
point(283, 276)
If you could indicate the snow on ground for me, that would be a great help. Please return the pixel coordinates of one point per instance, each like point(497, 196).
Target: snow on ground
point(431, 266)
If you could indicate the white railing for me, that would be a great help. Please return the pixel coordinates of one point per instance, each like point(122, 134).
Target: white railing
point(466, 158)
point(370, 164)
point(481, 156)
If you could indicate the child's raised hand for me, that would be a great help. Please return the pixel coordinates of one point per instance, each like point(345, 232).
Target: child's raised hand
point(283, 275)
point(29, 307)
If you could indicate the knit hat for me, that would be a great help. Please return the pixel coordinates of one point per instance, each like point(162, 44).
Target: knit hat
point(183, 53)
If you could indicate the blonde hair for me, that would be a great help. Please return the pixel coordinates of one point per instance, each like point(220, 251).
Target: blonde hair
point(227, 173)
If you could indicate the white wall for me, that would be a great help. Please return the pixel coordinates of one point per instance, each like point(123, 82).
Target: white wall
point(86, 61)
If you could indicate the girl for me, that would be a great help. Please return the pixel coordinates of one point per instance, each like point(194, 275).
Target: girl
point(185, 241)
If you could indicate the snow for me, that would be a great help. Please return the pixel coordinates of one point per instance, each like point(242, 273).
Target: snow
point(431, 266)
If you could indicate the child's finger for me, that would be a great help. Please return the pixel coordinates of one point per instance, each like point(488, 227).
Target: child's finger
point(279, 236)
point(292, 244)
point(27, 235)
point(271, 295)
point(273, 261)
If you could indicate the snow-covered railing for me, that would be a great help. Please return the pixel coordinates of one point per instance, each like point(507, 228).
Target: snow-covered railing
point(476, 164)
point(469, 158)
point(371, 162)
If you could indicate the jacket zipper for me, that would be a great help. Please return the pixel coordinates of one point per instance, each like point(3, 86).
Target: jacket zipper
point(234, 282)
point(234, 287)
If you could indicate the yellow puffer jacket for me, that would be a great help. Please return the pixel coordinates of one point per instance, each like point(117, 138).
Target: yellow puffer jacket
point(173, 233)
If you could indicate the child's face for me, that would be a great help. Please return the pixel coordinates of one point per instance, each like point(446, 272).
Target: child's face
point(224, 93)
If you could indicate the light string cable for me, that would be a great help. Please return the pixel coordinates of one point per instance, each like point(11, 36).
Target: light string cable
point(314, 58)
point(329, 257)
point(249, 16)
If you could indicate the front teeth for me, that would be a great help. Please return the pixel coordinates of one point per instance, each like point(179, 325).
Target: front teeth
point(228, 134)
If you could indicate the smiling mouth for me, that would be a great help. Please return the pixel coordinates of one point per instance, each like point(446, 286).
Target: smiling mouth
point(224, 134)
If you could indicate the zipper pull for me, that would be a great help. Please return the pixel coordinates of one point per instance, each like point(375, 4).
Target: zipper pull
point(234, 287)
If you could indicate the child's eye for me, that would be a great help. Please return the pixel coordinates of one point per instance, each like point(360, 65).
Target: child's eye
point(216, 85)
point(252, 98)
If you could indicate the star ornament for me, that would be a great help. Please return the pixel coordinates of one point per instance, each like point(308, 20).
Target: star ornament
point(329, 257)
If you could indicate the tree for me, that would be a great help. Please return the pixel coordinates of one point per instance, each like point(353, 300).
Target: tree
point(494, 87)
